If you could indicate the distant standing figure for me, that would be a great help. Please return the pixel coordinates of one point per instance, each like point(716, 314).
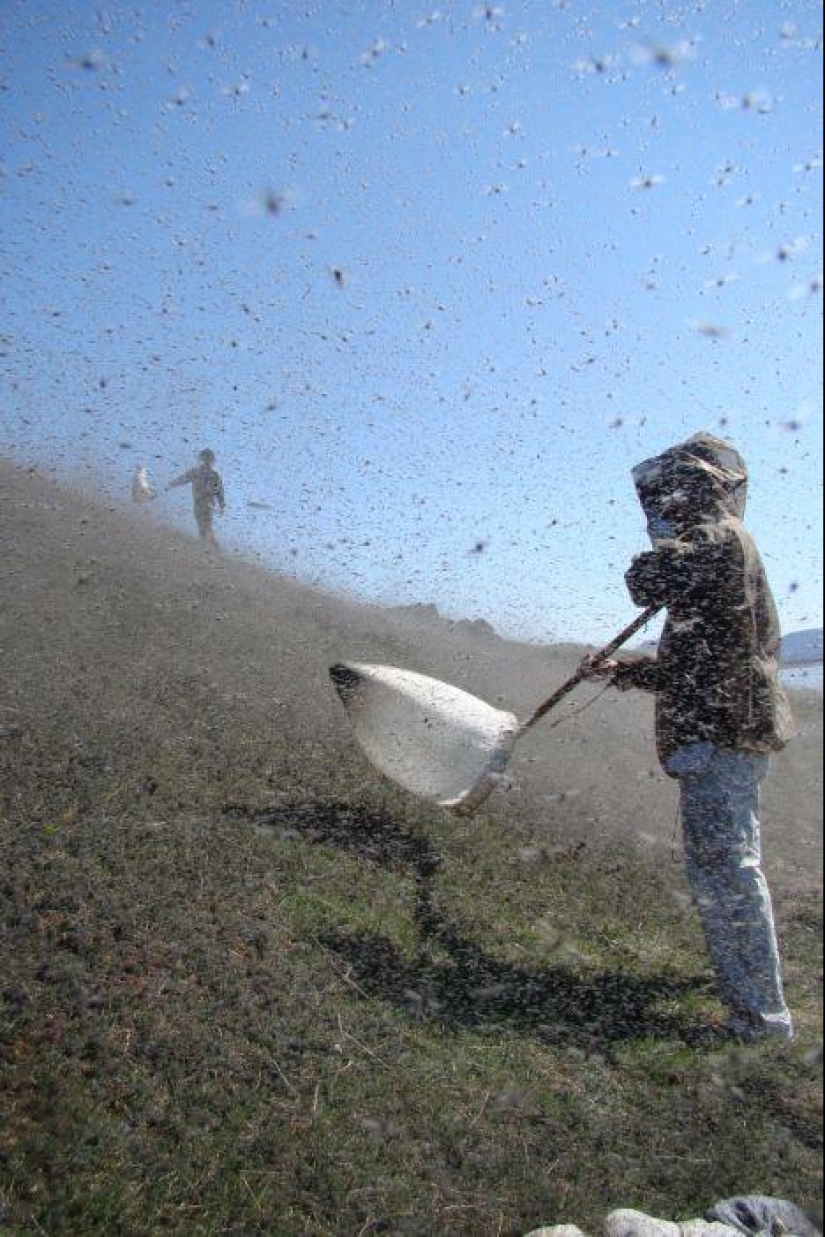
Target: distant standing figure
point(207, 493)
point(142, 491)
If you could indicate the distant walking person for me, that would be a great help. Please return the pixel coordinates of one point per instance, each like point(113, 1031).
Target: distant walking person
point(720, 710)
point(207, 493)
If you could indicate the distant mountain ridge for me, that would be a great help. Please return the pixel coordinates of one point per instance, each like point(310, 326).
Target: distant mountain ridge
point(802, 648)
point(799, 648)
point(430, 613)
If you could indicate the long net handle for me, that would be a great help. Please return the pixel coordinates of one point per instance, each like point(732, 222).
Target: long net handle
point(587, 664)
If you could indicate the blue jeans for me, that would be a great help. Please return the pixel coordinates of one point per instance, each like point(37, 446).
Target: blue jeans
point(720, 823)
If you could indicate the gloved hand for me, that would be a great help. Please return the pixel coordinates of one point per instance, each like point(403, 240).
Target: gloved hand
point(593, 667)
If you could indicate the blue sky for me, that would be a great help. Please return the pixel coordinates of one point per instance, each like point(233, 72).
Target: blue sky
point(567, 235)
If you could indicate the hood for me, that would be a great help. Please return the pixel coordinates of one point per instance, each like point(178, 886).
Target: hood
point(701, 480)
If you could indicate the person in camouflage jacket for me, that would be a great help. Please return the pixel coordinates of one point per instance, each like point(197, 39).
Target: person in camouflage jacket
point(720, 709)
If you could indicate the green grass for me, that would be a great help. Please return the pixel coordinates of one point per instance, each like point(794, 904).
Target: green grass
point(352, 1016)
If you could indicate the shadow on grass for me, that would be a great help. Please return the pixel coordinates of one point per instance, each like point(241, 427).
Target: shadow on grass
point(456, 983)
point(364, 831)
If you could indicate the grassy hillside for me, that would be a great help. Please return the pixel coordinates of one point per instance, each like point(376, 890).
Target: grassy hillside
point(249, 987)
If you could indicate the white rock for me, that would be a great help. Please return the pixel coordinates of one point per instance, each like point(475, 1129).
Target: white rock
point(706, 1228)
point(556, 1230)
point(627, 1223)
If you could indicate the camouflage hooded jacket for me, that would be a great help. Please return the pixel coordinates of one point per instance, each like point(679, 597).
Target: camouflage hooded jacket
point(715, 674)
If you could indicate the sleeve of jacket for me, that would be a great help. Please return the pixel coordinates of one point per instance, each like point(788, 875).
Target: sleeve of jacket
point(219, 494)
point(184, 479)
point(642, 672)
point(691, 569)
